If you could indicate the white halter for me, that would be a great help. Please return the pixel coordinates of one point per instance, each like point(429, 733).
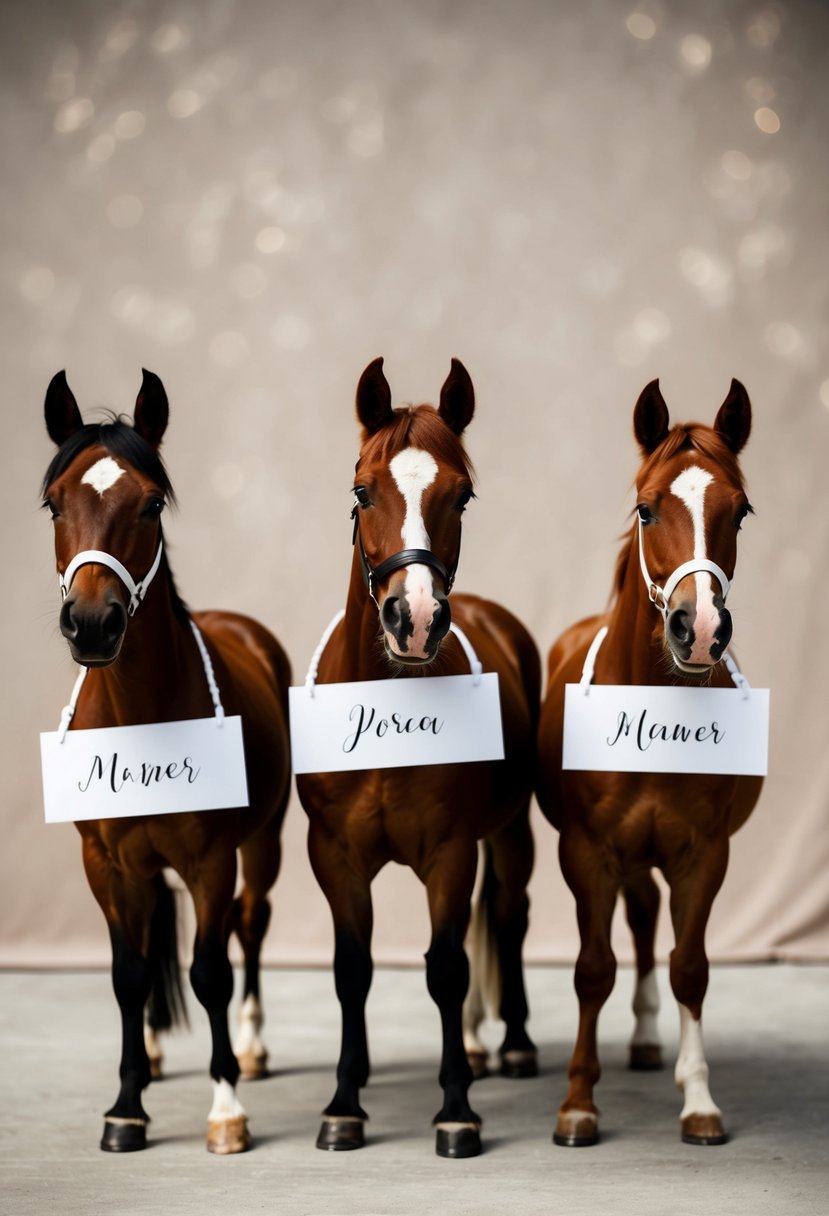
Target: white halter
point(697, 564)
point(99, 558)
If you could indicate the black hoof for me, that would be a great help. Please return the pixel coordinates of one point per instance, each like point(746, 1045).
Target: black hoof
point(645, 1057)
point(340, 1135)
point(458, 1142)
point(123, 1137)
point(519, 1064)
point(575, 1141)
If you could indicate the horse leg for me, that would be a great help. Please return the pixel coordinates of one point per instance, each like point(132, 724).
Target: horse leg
point(211, 976)
point(692, 895)
point(449, 881)
point(349, 897)
point(261, 856)
point(641, 895)
point(595, 889)
point(513, 854)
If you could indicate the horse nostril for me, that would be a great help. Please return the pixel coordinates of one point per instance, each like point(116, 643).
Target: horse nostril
point(391, 615)
point(723, 635)
point(114, 622)
point(679, 626)
point(442, 618)
point(67, 622)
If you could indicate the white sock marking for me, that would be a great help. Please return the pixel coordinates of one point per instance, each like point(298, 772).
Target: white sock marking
point(248, 1041)
point(225, 1103)
point(645, 1008)
point(691, 1072)
point(102, 475)
point(414, 471)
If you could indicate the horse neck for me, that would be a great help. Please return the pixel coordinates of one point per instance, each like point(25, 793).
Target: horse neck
point(633, 643)
point(155, 677)
point(362, 656)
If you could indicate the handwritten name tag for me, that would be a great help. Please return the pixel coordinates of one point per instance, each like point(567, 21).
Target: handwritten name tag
point(392, 723)
point(632, 728)
point(116, 772)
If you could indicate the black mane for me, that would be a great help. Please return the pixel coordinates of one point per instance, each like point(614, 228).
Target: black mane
point(120, 439)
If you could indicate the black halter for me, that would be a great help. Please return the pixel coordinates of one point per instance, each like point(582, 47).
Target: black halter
point(406, 557)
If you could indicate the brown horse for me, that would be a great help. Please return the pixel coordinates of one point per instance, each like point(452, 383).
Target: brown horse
point(106, 488)
point(616, 826)
point(413, 481)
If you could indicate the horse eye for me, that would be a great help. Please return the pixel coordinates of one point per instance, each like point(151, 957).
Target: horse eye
point(362, 496)
point(464, 500)
point(153, 509)
point(644, 513)
point(49, 506)
point(742, 512)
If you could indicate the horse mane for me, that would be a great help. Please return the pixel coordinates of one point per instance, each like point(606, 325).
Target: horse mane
point(119, 438)
point(684, 437)
point(418, 426)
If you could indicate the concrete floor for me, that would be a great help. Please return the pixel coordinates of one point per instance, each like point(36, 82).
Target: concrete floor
point(766, 1043)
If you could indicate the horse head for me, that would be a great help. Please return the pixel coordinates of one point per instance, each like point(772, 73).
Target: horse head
point(691, 502)
point(413, 480)
point(105, 490)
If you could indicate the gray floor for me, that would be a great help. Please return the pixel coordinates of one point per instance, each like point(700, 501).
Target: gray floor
point(766, 1043)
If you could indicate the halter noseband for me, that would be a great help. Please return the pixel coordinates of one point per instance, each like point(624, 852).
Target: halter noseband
point(406, 557)
point(99, 558)
point(696, 565)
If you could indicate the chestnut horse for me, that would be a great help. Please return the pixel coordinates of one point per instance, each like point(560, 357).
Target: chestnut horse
point(106, 489)
point(413, 481)
point(678, 557)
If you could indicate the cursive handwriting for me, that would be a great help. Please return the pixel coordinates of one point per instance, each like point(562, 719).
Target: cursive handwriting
point(396, 723)
point(117, 776)
point(646, 734)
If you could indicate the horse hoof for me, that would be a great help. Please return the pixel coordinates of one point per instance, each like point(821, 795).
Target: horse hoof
point(337, 1135)
point(225, 1136)
point(124, 1135)
point(576, 1129)
point(645, 1057)
point(253, 1067)
point(703, 1130)
point(478, 1063)
point(519, 1064)
point(458, 1140)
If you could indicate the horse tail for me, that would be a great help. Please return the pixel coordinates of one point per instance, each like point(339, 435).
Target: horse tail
point(482, 951)
point(166, 1006)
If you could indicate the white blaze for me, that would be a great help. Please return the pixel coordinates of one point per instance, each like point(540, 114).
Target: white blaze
point(414, 471)
point(102, 475)
point(689, 487)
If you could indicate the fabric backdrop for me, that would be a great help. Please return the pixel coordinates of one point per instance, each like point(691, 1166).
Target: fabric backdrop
point(255, 199)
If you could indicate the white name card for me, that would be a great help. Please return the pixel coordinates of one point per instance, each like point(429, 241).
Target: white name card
point(632, 728)
point(391, 723)
point(116, 772)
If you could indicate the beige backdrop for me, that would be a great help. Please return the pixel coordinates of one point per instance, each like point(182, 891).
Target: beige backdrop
point(255, 199)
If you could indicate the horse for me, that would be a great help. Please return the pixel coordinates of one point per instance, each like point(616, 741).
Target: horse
point(413, 481)
point(679, 557)
point(105, 489)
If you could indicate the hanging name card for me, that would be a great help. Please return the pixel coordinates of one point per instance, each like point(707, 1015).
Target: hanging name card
point(632, 728)
point(162, 768)
point(392, 723)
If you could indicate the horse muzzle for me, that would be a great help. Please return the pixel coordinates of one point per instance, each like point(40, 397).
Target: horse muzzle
point(698, 640)
point(415, 618)
point(94, 632)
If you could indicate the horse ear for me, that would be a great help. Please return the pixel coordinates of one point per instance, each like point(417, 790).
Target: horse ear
point(650, 418)
point(63, 418)
point(733, 421)
point(151, 409)
point(373, 398)
point(457, 398)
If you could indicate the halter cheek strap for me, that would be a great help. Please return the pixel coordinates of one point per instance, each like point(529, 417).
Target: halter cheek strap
point(660, 596)
point(99, 558)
